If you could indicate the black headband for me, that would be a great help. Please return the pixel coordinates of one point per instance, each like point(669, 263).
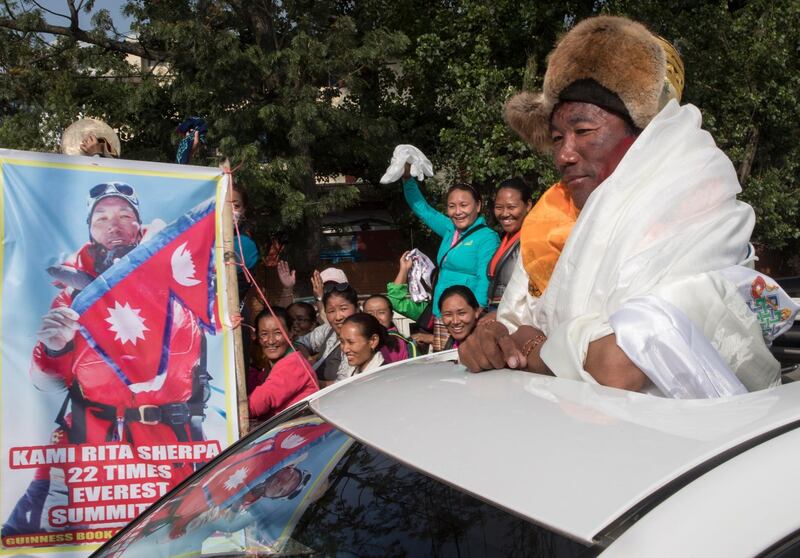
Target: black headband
point(589, 91)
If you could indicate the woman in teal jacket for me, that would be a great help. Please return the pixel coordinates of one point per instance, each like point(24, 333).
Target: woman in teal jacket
point(467, 247)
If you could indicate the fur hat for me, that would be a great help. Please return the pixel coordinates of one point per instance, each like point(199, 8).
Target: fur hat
point(609, 61)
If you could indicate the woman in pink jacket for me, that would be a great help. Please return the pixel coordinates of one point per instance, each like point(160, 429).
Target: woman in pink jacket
point(287, 376)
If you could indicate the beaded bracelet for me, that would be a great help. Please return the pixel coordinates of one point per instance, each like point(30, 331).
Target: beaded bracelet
point(530, 344)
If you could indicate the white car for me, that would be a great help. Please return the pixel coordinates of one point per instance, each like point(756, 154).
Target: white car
point(423, 458)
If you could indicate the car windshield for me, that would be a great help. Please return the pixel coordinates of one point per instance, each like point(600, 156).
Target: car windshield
point(303, 488)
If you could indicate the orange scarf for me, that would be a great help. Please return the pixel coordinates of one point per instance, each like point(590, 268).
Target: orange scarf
point(544, 233)
point(505, 245)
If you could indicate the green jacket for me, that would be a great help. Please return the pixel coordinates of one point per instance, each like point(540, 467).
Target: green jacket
point(402, 303)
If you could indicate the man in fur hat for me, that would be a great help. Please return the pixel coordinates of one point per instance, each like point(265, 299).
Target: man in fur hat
point(630, 272)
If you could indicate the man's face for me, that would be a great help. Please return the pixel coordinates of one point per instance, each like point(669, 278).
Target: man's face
point(283, 482)
point(588, 144)
point(114, 223)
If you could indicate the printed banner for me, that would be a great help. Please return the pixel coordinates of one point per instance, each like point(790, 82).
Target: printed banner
point(116, 378)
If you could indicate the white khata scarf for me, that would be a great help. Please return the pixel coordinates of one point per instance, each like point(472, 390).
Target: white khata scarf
point(667, 213)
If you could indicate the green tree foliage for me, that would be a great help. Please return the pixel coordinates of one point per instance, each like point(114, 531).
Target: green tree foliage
point(46, 81)
point(743, 71)
point(291, 92)
point(467, 58)
point(470, 58)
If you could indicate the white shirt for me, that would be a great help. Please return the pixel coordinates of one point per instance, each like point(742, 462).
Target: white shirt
point(374, 363)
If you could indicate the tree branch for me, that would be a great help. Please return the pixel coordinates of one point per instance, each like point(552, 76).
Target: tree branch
point(8, 9)
point(44, 9)
point(749, 156)
point(74, 24)
point(82, 35)
point(51, 54)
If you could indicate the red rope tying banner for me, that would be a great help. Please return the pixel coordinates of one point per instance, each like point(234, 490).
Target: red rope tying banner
point(251, 280)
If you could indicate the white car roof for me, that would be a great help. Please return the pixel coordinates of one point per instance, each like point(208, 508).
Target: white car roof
point(571, 456)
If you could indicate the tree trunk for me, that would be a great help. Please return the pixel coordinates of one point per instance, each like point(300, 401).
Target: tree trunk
point(312, 233)
point(749, 157)
point(305, 247)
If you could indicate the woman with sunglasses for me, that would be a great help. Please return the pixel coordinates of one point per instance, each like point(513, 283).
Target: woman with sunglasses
point(467, 246)
point(362, 337)
point(340, 301)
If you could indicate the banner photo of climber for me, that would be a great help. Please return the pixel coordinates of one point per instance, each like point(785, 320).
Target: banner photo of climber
point(117, 374)
point(250, 503)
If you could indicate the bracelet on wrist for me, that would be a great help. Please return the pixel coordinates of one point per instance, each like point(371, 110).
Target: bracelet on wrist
point(531, 344)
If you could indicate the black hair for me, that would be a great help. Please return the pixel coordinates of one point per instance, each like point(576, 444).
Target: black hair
point(463, 186)
point(590, 91)
point(309, 308)
point(517, 183)
point(464, 292)
point(242, 192)
point(348, 293)
point(369, 326)
point(279, 311)
point(384, 298)
point(388, 303)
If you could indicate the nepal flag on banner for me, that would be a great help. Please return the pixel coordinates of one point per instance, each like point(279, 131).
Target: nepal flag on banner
point(261, 461)
point(126, 314)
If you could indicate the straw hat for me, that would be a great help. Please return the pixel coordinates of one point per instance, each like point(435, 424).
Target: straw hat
point(78, 130)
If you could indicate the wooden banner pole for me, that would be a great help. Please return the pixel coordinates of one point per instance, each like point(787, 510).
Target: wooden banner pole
point(232, 290)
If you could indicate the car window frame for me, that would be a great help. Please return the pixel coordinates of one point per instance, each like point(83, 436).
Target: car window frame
point(306, 408)
point(629, 518)
point(595, 547)
point(292, 412)
point(777, 549)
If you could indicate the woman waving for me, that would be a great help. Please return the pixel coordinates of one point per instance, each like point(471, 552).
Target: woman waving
point(467, 246)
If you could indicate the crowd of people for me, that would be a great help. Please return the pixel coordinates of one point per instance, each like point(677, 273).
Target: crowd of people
point(633, 271)
point(626, 272)
point(295, 346)
point(609, 277)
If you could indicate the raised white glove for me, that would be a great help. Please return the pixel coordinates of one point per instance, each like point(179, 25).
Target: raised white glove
point(58, 327)
point(403, 153)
